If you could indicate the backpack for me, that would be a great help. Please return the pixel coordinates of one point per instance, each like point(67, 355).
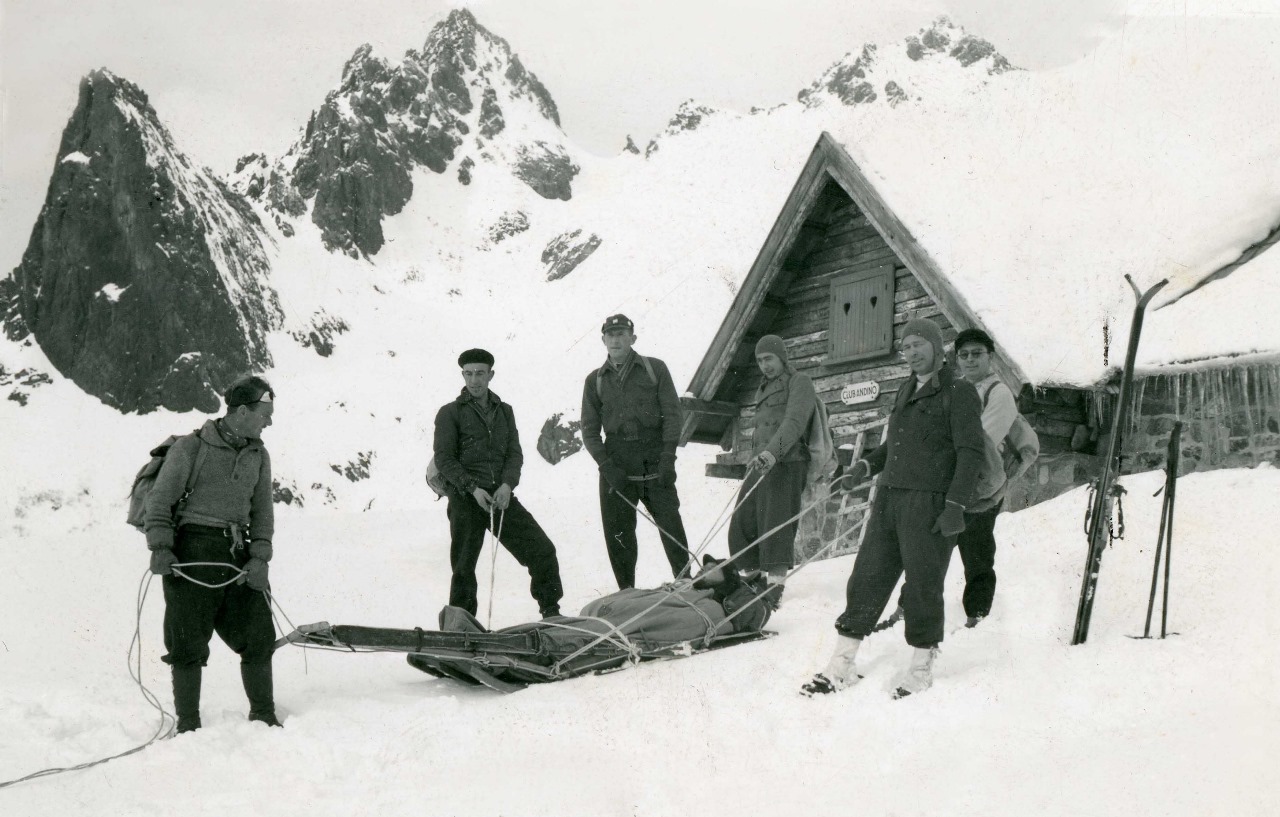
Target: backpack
point(822, 444)
point(648, 368)
point(435, 479)
point(1020, 447)
point(146, 479)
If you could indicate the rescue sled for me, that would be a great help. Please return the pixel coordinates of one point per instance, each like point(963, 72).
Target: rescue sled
point(622, 629)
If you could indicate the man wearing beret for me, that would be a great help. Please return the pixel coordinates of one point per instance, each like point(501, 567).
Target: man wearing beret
point(928, 468)
point(631, 426)
point(211, 502)
point(477, 450)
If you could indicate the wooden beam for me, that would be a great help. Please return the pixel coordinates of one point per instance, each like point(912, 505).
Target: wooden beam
point(726, 471)
point(718, 408)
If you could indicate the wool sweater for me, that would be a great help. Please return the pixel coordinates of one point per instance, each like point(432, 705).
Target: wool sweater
point(233, 486)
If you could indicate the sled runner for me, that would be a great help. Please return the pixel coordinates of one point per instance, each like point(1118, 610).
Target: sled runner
point(624, 628)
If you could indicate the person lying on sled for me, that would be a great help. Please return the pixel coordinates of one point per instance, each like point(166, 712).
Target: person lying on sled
point(688, 615)
point(720, 601)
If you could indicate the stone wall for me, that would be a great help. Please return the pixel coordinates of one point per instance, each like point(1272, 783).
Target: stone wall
point(1230, 416)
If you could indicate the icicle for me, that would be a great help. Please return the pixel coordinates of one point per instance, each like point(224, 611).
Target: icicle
point(1243, 378)
point(1135, 410)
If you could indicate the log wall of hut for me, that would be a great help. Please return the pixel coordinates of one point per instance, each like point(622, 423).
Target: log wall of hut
point(841, 241)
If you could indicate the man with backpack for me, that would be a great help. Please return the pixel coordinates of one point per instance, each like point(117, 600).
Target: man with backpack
point(211, 502)
point(928, 467)
point(977, 543)
point(477, 451)
point(631, 401)
point(786, 406)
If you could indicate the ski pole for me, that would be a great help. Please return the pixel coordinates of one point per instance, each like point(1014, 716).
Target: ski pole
point(493, 561)
point(1175, 456)
point(1166, 520)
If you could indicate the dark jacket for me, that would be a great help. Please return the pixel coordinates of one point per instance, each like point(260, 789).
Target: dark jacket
point(784, 409)
point(473, 448)
point(935, 440)
point(232, 487)
point(630, 407)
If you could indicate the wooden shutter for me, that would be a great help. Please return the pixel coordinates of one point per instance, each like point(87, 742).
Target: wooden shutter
point(861, 315)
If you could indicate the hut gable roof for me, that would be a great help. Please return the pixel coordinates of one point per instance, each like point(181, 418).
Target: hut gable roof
point(758, 301)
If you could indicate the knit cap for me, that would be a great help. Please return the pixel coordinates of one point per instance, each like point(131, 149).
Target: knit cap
point(773, 345)
point(927, 329)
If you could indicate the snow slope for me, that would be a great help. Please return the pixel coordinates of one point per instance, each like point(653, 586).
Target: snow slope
point(1017, 722)
point(1017, 719)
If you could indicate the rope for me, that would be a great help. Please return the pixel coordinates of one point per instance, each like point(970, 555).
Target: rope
point(493, 561)
point(231, 580)
point(790, 573)
point(635, 506)
point(735, 502)
point(617, 628)
point(167, 720)
point(706, 541)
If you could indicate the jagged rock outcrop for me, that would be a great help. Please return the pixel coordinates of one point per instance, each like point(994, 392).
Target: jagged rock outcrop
point(507, 225)
point(23, 382)
point(465, 98)
point(320, 334)
point(566, 251)
point(854, 79)
point(145, 279)
point(967, 49)
point(688, 117)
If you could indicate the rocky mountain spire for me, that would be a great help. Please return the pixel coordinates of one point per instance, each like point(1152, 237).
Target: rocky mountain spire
point(465, 99)
point(144, 280)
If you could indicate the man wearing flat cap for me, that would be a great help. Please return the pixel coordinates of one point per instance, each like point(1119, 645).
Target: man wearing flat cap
point(211, 503)
point(477, 450)
point(631, 426)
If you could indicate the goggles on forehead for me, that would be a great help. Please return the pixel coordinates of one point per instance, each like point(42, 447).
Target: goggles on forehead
point(265, 398)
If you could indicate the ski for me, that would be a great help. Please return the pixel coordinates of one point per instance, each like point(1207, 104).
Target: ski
point(1098, 527)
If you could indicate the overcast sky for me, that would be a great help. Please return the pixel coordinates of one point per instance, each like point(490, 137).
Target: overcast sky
point(231, 77)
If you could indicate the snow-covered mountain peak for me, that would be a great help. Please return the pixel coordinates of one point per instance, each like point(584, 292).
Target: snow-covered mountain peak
point(132, 229)
point(895, 73)
point(464, 100)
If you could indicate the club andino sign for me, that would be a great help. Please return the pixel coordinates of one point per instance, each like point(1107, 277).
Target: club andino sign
point(864, 392)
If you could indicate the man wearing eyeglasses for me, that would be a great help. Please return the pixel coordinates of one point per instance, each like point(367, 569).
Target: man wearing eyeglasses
point(977, 543)
point(211, 503)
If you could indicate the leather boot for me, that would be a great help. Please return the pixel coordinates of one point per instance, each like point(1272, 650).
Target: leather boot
point(186, 697)
point(258, 688)
point(919, 675)
point(841, 672)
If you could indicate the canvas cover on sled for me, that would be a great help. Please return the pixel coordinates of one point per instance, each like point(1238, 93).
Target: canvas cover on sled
point(627, 626)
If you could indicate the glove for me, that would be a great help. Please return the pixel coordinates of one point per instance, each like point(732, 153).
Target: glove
point(260, 549)
point(613, 474)
point(502, 497)
point(162, 561)
point(667, 470)
point(951, 521)
point(847, 479)
point(255, 574)
point(764, 462)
